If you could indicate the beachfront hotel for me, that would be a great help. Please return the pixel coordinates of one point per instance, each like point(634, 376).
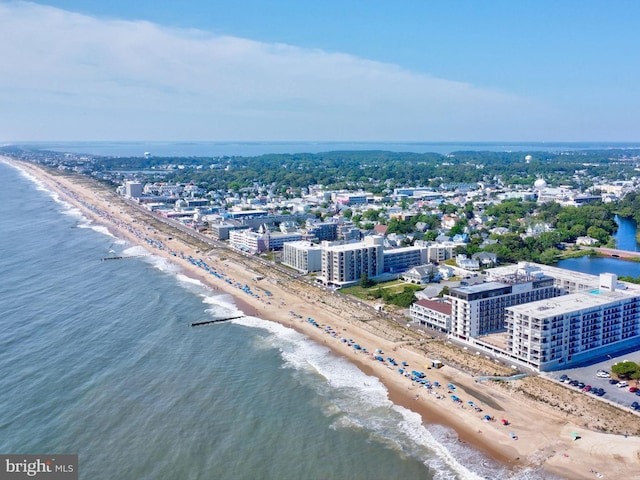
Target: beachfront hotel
point(434, 314)
point(576, 328)
point(543, 318)
point(258, 242)
point(479, 309)
point(302, 256)
point(344, 264)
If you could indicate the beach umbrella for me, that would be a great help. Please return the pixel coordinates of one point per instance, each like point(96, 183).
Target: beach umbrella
point(505, 421)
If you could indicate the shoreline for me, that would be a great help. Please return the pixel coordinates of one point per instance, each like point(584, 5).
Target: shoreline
point(544, 440)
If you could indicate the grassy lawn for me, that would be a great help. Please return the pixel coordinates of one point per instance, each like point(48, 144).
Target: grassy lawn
point(393, 287)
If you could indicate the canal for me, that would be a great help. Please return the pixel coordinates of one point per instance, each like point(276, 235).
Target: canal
point(625, 239)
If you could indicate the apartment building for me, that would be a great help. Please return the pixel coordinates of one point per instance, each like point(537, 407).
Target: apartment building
point(400, 259)
point(434, 314)
point(303, 256)
point(574, 329)
point(480, 309)
point(344, 264)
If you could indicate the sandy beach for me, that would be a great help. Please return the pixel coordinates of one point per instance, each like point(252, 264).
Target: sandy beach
point(564, 435)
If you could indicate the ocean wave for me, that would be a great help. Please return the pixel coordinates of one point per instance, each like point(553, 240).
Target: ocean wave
point(40, 185)
point(97, 228)
point(223, 301)
point(160, 263)
point(134, 250)
point(357, 400)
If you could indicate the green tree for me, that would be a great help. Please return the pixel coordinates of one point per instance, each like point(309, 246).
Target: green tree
point(365, 281)
point(598, 233)
point(549, 256)
point(625, 369)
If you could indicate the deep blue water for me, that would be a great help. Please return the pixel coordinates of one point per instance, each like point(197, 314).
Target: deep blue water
point(598, 265)
point(200, 149)
point(97, 358)
point(625, 239)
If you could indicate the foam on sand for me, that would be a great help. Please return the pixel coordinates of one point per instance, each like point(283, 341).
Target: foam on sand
point(357, 400)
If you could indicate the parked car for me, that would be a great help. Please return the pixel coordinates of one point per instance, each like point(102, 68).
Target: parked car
point(600, 392)
point(603, 374)
point(563, 378)
point(638, 393)
point(580, 385)
point(613, 381)
point(633, 389)
point(635, 406)
point(586, 388)
point(622, 384)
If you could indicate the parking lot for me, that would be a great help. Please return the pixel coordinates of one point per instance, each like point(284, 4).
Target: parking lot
point(587, 375)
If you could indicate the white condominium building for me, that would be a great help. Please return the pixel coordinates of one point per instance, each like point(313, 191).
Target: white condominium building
point(399, 259)
point(434, 314)
point(303, 256)
point(575, 329)
point(567, 281)
point(343, 265)
point(479, 309)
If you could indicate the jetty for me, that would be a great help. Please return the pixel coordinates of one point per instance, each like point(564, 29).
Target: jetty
point(216, 320)
point(122, 257)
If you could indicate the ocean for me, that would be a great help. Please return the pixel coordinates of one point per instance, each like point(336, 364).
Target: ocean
point(249, 149)
point(98, 358)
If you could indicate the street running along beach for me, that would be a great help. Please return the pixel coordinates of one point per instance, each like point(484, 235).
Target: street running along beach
point(535, 437)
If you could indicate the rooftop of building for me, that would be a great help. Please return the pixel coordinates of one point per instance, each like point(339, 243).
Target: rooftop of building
point(528, 269)
point(569, 303)
point(438, 306)
point(304, 244)
point(480, 287)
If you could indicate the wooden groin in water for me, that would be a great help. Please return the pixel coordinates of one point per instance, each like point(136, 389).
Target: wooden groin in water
point(216, 320)
point(122, 257)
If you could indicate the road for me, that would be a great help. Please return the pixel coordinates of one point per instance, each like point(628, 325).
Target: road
point(612, 252)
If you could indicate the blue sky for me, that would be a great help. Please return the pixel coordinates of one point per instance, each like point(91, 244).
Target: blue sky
point(333, 70)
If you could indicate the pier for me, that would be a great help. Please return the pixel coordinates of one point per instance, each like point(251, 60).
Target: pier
point(216, 320)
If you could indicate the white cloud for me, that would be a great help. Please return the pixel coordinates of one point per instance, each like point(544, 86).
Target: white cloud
point(71, 76)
